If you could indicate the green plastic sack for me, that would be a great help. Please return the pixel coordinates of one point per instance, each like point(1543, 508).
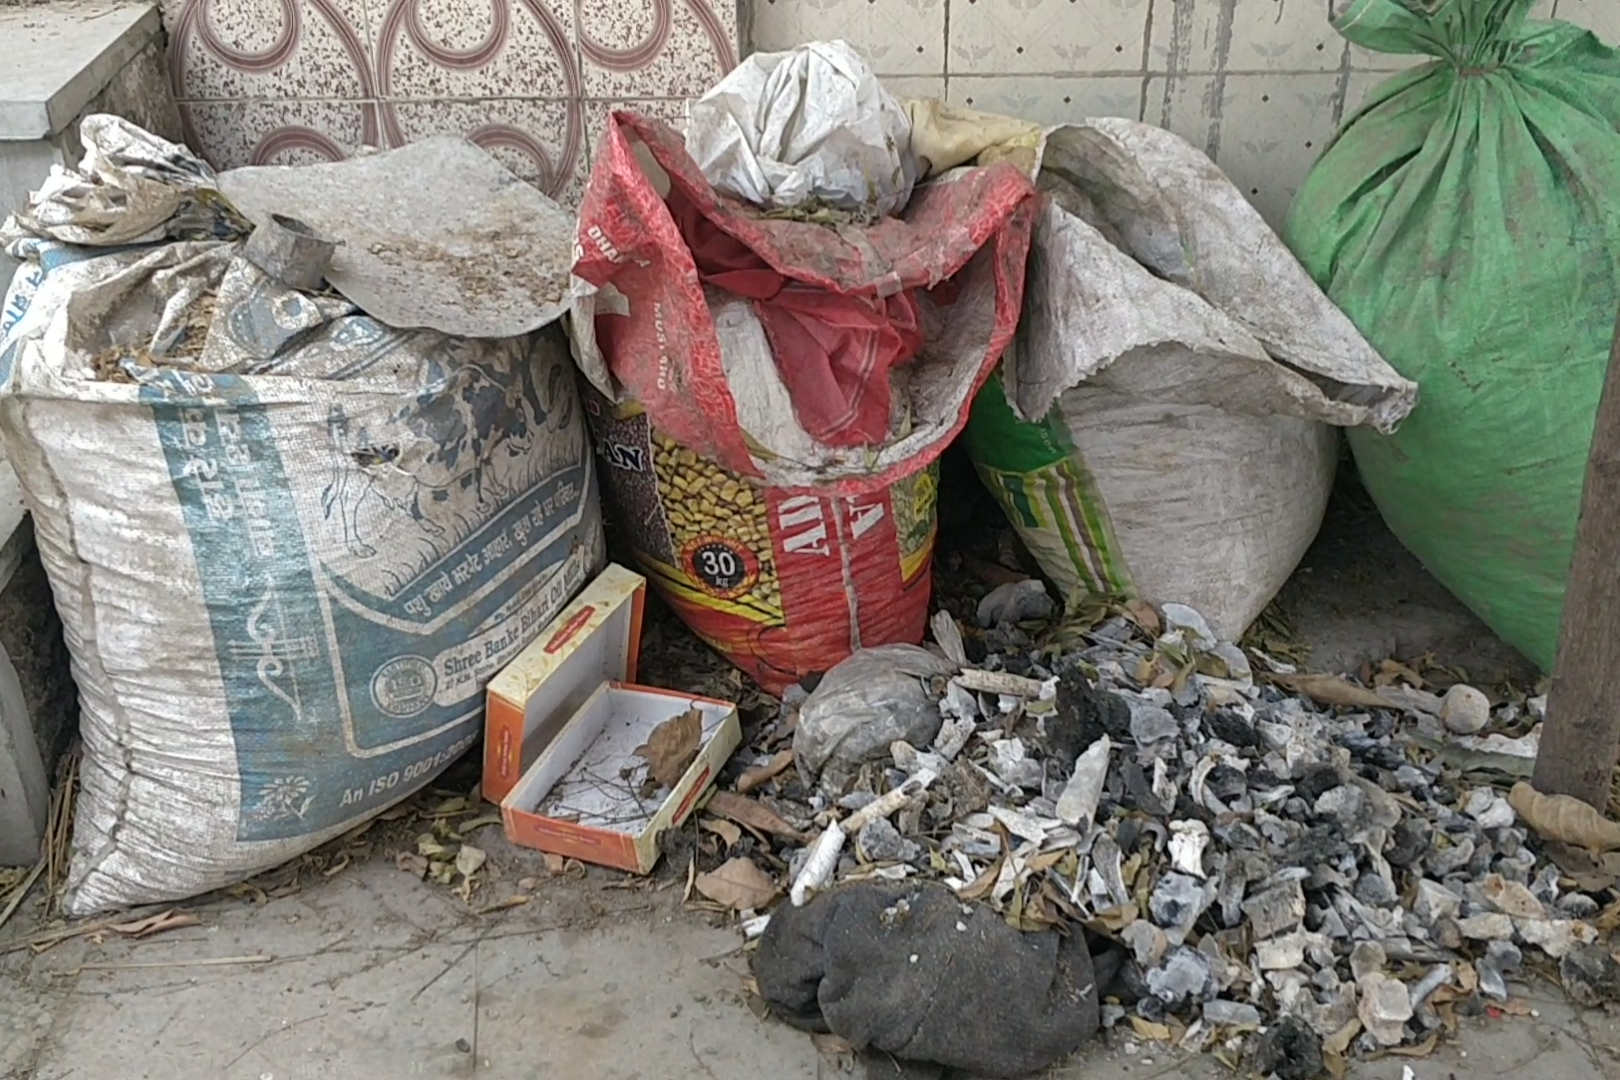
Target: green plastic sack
point(1467, 219)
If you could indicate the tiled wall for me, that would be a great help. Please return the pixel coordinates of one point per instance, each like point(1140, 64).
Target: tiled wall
point(1260, 84)
point(271, 81)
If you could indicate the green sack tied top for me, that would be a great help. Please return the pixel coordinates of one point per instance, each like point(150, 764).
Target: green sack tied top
point(1467, 219)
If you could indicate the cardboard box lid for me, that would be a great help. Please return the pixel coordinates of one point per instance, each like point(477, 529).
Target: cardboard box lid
point(595, 639)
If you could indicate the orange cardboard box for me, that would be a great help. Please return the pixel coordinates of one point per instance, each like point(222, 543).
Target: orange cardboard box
point(563, 725)
point(593, 640)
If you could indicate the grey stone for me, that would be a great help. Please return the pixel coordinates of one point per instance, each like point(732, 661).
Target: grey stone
point(1367, 958)
point(1344, 804)
point(1176, 902)
point(1224, 1013)
point(1276, 910)
point(1444, 861)
point(1434, 901)
point(1464, 710)
point(1385, 1007)
point(1151, 724)
point(1185, 975)
point(1590, 976)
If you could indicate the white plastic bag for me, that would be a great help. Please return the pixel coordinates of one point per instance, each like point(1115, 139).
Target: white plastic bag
point(811, 123)
point(1164, 427)
point(869, 700)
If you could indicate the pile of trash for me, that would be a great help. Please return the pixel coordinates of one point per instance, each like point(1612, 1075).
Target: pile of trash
point(1276, 852)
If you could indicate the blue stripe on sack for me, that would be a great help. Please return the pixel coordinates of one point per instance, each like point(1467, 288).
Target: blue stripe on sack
point(331, 702)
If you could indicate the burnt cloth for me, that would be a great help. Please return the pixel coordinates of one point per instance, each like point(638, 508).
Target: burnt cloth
point(913, 972)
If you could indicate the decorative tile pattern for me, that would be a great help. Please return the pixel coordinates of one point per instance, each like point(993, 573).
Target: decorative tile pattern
point(306, 80)
point(1264, 132)
point(1602, 17)
point(897, 37)
point(1243, 35)
point(1050, 100)
point(1260, 84)
point(1005, 37)
point(269, 49)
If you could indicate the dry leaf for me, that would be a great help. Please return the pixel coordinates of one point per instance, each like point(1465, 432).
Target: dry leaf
point(1335, 1064)
point(156, 924)
point(738, 884)
point(837, 1052)
point(1143, 615)
point(672, 747)
point(428, 845)
point(1147, 1029)
point(1513, 1007)
point(411, 863)
point(1331, 690)
point(1418, 1050)
point(760, 775)
point(1565, 819)
point(555, 864)
point(448, 808)
point(725, 830)
point(469, 859)
point(1467, 978)
point(980, 887)
point(502, 905)
point(465, 827)
point(1116, 919)
point(745, 811)
point(1339, 1042)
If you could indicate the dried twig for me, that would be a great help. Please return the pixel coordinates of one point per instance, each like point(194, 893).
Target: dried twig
point(205, 961)
point(22, 891)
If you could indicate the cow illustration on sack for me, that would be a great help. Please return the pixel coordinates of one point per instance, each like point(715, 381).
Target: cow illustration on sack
point(446, 457)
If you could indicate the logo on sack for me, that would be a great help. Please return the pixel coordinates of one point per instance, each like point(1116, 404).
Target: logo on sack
point(722, 568)
point(404, 686)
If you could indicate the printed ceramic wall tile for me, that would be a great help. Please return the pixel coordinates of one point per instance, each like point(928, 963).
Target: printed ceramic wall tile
point(1243, 35)
point(264, 80)
point(268, 49)
point(1007, 37)
point(1361, 84)
point(671, 111)
point(544, 142)
point(915, 86)
point(1602, 17)
point(432, 49)
point(1050, 100)
point(291, 132)
point(897, 37)
point(655, 48)
point(1265, 131)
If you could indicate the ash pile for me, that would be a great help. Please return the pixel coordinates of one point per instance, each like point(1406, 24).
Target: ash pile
point(1290, 865)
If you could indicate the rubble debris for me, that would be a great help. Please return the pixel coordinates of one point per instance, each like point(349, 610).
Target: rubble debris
point(1015, 602)
point(1267, 862)
point(1289, 1050)
point(911, 971)
point(1386, 1006)
point(1591, 976)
